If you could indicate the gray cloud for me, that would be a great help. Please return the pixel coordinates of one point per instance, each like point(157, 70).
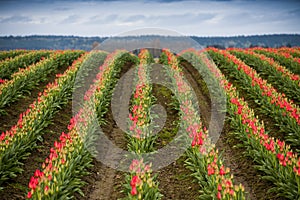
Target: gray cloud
point(243, 18)
point(208, 17)
point(100, 19)
point(70, 19)
point(16, 19)
point(204, 16)
point(149, 19)
point(181, 19)
point(61, 9)
point(295, 12)
point(134, 18)
point(111, 18)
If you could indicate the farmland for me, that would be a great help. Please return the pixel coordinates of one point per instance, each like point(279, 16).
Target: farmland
point(57, 114)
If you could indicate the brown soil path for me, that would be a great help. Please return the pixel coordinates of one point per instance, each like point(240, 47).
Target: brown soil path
point(242, 169)
point(105, 182)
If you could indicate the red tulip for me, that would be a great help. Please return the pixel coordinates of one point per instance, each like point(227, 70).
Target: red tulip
point(135, 181)
point(133, 191)
point(33, 183)
point(280, 156)
point(222, 172)
point(46, 188)
point(2, 81)
point(29, 195)
point(219, 195)
point(210, 170)
point(219, 187)
point(38, 173)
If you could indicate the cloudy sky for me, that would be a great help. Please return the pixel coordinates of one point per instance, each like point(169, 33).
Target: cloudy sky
point(111, 18)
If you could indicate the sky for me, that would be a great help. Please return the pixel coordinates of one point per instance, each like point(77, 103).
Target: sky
point(178, 17)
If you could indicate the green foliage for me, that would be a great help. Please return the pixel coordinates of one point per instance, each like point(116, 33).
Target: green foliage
point(281, 82)
point(24, 81)
point(286, 125)
point(22, 137)
point(11, 54)
point(293, 66)
point(10, 66)
point(286, 183)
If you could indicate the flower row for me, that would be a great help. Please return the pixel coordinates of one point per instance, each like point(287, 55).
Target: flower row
point(281, 78)
point(293, 64)
point(16, 143)
point(215, 180)
point(140, 182)
point(271, 103)
point(12, 65)
point(280, 165)
point(286, 54)
point(26, 79)
point(11, 53)
point(141, 101)
point(292, 51)
point(71, 155)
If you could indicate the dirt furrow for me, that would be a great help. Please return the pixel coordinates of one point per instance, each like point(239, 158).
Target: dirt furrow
point(105, 182)
point(242, 169)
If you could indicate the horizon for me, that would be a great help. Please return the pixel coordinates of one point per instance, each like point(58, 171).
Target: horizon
point(90, 18)
point(211, 36)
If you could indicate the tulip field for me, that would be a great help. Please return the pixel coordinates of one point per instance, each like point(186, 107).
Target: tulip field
point(49, 140)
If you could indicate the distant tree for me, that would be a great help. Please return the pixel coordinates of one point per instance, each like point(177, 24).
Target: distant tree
point(258, 45)
point(218, 46)
point(253, 45)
